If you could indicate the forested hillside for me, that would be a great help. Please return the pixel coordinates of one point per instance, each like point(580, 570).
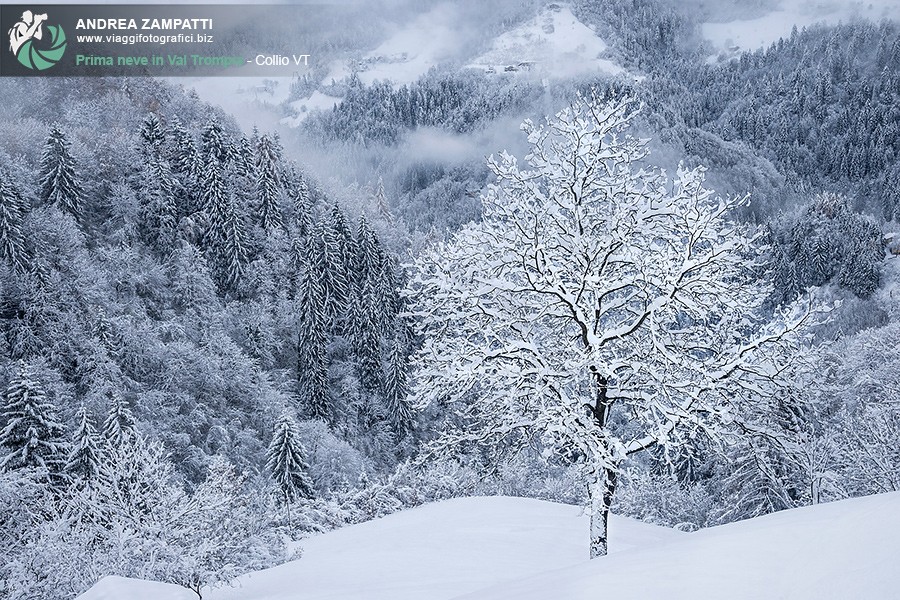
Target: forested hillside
point(216, 341)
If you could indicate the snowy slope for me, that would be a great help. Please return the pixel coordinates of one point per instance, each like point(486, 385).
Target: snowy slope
point(750, 34)
point(409, 52)
point(555, 41)
point(439, 551)
point(836, 551)
point(520, 549)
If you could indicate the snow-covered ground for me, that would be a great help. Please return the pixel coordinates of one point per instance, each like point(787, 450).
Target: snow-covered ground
point(251, 100)
point(439, 551)
point(750, 34)
point(520, 549)
point(415, 47)
point(833, 551)
point(316, 101)
point(555, 41)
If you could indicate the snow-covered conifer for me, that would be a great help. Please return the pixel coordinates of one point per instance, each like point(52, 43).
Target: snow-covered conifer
point(182, 153)
point(286, 463)
point(366, 338)
point(214, 143)
point(381, 202)
point(85, 455)
point(12, 213)
point(268, 184)
point(302, 207)
point(224, 237)
point(396, 388)
point(59, 184)
point(152, 136)
point(160, 210)
point(120, 425)
point(312, 339)
point(31, 436)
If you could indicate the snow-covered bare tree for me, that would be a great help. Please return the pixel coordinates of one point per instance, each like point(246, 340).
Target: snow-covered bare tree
point(595, 305)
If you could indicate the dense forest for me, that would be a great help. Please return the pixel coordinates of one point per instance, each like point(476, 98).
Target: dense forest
point(207, 350)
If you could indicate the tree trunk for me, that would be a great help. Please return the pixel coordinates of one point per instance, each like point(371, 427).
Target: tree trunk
point(601, 492)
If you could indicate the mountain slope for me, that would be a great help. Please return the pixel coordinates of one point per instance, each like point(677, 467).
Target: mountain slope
point(438, 551)
point(502, 548)
point(840, 550)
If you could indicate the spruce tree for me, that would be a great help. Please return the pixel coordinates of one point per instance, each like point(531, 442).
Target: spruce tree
point(268, 184)
point(312, 341)
point(182, 151)
point(84, 458)
point(286, 463)
point(160, 210)
point(59, 184)
point(302, 207)
point(120, 426)
point(396, 388)
point(344, 243)
point(152, 136)
point(368, 253)
point(32, 436)
point(330, 259)
point(214, 143)
point(386, 297)
point(224, 236)
point(12, 214)
point(366, 339)
point(381, 202)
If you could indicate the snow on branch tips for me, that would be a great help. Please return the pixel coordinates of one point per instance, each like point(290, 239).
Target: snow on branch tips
point(597, 306)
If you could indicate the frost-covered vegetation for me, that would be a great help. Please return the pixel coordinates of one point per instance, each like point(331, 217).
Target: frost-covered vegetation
point(207, 351)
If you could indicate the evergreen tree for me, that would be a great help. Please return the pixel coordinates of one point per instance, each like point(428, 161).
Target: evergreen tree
point(12, 213)
point(312, 367)
point(152, 136)
point(120, 426)
point(286, 463)
point(224, 237)
point(386, 297)
point(182, 151)
point(32, 436)
point(84, 458)
point(367, 339)
point(331, 256)
point(214, 143)
point(59, 184)
point(231, 237)
point(381, 202)
point(302, 207)
point(160, 210)
point(268, 184)
point(368, 253)
point(343, 242)
point(396, 388)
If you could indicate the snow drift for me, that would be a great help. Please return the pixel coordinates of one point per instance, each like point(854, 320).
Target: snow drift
point(515, 548)
point(840, 550)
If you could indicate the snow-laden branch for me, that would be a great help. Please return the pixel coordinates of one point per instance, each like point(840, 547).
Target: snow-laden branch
point(595, 304)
